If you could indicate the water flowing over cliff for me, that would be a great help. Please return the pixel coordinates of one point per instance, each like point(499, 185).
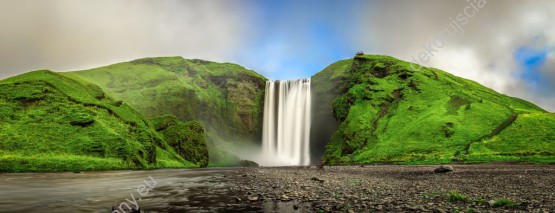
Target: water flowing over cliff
point(286, 125)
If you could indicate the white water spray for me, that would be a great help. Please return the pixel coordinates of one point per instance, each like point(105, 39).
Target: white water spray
point(286, 127)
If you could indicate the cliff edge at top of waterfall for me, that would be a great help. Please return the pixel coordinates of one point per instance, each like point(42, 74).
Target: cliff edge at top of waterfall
point(387, 112)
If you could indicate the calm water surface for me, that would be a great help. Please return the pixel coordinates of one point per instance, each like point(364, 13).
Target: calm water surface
point(166, 190)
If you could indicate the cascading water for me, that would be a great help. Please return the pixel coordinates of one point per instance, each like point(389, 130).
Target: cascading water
point(286, 125)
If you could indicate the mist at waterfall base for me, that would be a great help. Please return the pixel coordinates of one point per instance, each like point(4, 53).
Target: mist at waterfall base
point(297, 123)
point(295, 128)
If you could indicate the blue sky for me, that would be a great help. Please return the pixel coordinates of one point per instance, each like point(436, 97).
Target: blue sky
point(295, 39)
point(531, 60)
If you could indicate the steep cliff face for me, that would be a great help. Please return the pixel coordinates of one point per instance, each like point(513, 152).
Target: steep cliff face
point(226, 98)
point(390, 113)
point(51, 122)
point(327, 85)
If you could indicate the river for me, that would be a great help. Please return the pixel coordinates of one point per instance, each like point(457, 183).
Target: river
point(165, 190)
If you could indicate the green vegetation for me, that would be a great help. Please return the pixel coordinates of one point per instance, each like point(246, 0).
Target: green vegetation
point(530, 138)
point(390, 113)
point(355, 182)
point(369, 109)
point(49, 122)
point(504, 202)
point(186, 138)
point(226, 98)
point(454, 196)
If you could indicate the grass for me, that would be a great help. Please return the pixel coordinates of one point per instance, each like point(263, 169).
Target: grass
point(454, 196)
point(377, 109)
point(355, 182)
point(529, 137)
point(51, 122)
point(389, 113)
point(428, 195)
point(504, 202)
point(470, 210)
point(48, 162)
point(187, 139)
point(223, 96)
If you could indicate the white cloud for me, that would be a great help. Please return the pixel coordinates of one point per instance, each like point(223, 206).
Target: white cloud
point(484, 52)
point(75, 34)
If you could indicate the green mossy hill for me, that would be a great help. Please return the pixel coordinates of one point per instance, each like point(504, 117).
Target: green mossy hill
point(52, 122)
point(390, 113)
point(224, 96)
point(186, 138)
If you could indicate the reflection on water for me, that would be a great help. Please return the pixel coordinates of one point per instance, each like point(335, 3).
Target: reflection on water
point(198, 190)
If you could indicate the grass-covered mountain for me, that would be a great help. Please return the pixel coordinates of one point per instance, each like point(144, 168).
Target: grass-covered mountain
point(226, 98)
point(157, 112)
point(52, 122)
point(386, 112)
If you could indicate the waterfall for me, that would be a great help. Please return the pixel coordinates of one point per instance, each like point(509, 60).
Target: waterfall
point(286, 125)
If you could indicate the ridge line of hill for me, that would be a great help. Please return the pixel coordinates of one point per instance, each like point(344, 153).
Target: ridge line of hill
point(438, 117)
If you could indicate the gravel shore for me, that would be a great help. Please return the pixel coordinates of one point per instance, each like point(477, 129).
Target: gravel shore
point(394, 188)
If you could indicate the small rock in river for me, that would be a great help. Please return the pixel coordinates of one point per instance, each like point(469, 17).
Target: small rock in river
point(317, 179)
point(491, 202)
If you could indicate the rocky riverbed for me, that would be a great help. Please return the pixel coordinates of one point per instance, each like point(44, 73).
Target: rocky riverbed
point(385, 188)
point(393, 188)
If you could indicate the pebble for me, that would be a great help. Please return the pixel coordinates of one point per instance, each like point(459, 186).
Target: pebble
point(397, 188)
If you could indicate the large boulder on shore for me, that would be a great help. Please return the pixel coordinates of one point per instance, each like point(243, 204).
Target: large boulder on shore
point(443, 169)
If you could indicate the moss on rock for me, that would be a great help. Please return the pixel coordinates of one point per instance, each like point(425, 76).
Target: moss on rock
point(188, 138)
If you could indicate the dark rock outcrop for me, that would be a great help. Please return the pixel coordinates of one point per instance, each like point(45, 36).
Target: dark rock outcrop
point(248, 163)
